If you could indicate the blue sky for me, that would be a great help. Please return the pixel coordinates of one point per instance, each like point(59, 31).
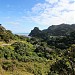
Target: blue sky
point(21, 16)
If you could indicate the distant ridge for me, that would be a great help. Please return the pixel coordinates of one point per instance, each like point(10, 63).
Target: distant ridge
point(54, 30)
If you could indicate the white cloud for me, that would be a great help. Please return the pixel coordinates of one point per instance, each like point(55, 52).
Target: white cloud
point(51, 1)
point(53, 12)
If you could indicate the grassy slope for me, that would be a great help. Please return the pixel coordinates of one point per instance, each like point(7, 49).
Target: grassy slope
point(18, 70)
point(26, 68)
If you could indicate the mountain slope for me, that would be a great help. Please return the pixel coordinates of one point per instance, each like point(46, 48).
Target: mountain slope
point(55, 30)
point(5, 35)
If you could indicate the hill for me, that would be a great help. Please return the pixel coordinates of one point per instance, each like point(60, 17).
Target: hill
point(5, 35)
point(20, 55)
point(54, 30)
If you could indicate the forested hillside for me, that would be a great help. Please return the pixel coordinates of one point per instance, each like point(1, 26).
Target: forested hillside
point(45, 53)
point(54, 30)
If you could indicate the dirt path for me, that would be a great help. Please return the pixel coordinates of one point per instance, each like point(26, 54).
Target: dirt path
point(6, 44)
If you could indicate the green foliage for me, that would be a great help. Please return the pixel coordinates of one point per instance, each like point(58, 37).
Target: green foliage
point(5, 52)
point(7, 65)
point(5, 35)
point(41, 55)
point(60, 67)
point(61, 36)
point(22, 48)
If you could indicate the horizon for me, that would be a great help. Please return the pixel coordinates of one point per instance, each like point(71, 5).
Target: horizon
point(33, 28)
point(22, 16)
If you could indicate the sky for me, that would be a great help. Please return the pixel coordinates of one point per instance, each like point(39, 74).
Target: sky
point(21, 16)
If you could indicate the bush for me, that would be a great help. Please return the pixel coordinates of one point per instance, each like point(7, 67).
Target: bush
point(6, 65)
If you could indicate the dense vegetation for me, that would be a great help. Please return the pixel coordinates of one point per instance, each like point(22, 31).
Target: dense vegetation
point(54, 30)
point(41, 54)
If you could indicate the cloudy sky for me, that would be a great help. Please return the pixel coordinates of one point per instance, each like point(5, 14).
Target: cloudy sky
point(21, 16)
